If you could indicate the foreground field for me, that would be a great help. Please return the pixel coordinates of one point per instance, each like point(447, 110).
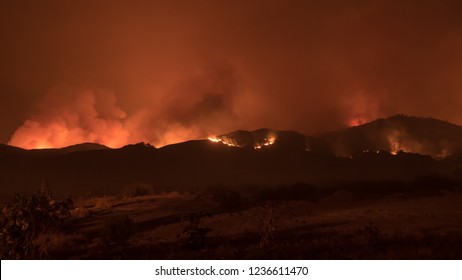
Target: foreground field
point(185, 226)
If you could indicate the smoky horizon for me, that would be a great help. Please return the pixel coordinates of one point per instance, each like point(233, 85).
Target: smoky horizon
point(161, 72)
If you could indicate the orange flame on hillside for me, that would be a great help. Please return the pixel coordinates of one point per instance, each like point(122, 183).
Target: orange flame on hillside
point(268, 141)
point(224, 140)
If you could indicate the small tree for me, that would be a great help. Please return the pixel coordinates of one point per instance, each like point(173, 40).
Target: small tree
point(267, 225)
point(195, 234)
point(118, 229)
point(23, 220)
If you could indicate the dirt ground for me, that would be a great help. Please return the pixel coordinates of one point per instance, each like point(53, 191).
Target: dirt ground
point(338, 226)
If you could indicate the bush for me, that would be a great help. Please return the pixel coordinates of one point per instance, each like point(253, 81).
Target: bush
point(118, 229)
point(267, 225)
point(370, 231)
point(195, 234)
point(26, 218)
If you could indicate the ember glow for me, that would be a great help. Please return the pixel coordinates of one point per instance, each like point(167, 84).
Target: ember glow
point(224, 140)
point(394, 142)
point(256, 144)
point(214, 139)
point(267, 142)
point(400, 141)
point(356, 122)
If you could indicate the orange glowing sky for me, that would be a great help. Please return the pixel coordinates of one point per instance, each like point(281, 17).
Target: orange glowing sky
point(119, 72)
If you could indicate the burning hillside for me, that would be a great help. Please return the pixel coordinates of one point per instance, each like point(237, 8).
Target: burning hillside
point(425, 136)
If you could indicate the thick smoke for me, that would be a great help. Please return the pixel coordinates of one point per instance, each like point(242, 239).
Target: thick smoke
point(191, 109)
point(68, 116)
point(169, 71)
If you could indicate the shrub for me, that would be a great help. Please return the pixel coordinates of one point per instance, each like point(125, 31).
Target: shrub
point(118, 229)
point(195, 234)
point(26, 218)
point(49, 243)
point(267, 225)
point(369, 230)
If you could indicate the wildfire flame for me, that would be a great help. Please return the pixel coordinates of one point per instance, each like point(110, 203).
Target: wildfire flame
point(69, 115)
point(268, 141)
point(356, 121)
point(214, 139)
point(401, 141)
point(224, 140)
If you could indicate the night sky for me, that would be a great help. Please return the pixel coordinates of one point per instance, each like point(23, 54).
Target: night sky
point(119, 72)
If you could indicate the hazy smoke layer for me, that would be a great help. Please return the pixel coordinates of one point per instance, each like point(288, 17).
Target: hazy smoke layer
point(67, 116)
point(118, 72)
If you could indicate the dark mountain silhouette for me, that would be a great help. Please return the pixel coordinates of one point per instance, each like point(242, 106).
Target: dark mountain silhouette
point(426, 136)
point(84, 147)
point(265, 138)
point(261, 157)
point(7, 149)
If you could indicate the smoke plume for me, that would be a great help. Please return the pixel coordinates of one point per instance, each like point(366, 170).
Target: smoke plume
point(168, 71)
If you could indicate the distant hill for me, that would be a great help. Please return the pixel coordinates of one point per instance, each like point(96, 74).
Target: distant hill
point(7, 149)
point(426, 136)
point(84, 147)
point(263, 138)
point(396, 148)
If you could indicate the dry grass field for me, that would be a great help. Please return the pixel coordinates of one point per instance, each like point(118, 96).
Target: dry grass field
point(339, 225)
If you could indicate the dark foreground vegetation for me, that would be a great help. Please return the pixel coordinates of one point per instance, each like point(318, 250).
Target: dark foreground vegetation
point(360, 220)
point(29, 222)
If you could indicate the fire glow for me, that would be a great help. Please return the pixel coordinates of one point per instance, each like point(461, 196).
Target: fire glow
point(70, 115)
point(268, 141)
point(224, 140)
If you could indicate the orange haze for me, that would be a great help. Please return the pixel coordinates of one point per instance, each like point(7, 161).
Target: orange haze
point(118, 72)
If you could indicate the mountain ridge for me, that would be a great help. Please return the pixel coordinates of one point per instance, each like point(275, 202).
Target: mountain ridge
point(422, 135)
point(260, 157)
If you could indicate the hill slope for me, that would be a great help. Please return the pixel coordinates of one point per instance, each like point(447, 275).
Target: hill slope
point(261, 157)
point(426, 136)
